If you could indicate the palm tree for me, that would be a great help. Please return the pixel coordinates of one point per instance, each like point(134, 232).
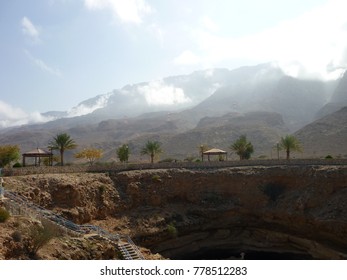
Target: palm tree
point(62, 142)
point(242, 147)
point(152, 148)
point(290, 143)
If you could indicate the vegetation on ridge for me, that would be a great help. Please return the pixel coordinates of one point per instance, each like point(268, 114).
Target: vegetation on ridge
point(289, 143)
point(91, 155)
point(123, 153)
point(8, 154)
point(62, 142)
point(242, 147)
point(152, 148)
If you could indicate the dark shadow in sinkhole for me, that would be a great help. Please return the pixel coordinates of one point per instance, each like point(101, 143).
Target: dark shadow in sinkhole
point(225, 254)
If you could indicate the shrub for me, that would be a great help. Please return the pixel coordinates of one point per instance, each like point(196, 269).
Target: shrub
point(102, 189)
point(4, 215)
point(189, 159)
point(172, 230)
point(156, 178)
point(17, 236)
point(17, 164)
point(38, 236)
point(328, 157)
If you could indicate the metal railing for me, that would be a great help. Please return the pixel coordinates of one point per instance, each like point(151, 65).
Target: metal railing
point(18, 204)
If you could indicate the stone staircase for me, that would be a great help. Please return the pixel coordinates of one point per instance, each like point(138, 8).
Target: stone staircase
point(129, 252)
point(17, 204)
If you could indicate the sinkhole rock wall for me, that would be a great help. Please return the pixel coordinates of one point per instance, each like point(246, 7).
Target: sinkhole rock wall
point(298, 210)
point(291, 211)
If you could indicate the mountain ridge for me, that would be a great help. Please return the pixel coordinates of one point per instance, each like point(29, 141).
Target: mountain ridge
point(259, 101)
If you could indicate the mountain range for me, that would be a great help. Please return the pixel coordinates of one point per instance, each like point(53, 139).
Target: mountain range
point(211, 107)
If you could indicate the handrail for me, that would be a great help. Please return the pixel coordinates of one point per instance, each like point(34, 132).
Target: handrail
point(31, 209)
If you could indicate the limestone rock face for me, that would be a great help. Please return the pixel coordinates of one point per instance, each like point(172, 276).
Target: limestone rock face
point(80, 197)
point(296, 211)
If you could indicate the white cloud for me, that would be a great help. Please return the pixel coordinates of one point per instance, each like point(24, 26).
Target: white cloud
point(14, 116)
point(187, 57)
point(83, 109)
point(313, 45)
point(157, 31)
point(128, 11)
point(209, 24)
point(30, 29)
point(42, 65)
point(159, 93)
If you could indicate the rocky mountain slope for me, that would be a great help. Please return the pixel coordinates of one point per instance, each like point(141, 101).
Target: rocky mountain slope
point(269, 90)
point(338, 99)
point(326, 136)
point(131, 115)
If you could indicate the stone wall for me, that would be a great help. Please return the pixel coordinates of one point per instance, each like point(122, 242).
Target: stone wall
point(165, 165)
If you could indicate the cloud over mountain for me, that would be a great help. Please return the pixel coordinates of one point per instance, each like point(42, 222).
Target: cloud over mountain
point(85, 108)
point(159, 93)
point(14, 116)
point(313, 45)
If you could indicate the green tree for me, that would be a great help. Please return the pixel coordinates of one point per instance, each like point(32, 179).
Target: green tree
point(8, 154)
point(123, 153)
point(289, 143)
point(152, 148)
point(242, 147)
point(91, 155)
point(62, 142)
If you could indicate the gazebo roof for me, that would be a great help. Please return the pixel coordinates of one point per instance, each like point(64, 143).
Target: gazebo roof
point(37, 152)
point(215, 151)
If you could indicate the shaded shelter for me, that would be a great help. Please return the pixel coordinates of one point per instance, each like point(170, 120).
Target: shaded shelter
point(37, 154)
point(215, 152)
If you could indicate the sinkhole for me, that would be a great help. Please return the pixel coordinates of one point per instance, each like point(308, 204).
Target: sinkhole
point(247, 243)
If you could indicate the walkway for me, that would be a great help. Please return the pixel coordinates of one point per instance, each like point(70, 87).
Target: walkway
point(206, 165)
point(17, 204)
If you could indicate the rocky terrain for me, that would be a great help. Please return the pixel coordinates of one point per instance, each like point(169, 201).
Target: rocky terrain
point(326, 136)
point(81, 198)
point(277, 212)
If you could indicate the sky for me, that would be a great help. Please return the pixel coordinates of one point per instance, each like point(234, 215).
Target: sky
point(56, 53)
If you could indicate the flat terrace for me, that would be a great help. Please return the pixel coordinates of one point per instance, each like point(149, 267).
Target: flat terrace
point(117, 167)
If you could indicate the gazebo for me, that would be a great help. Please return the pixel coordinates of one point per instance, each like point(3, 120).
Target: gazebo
point(215, 152)
point(38, 154)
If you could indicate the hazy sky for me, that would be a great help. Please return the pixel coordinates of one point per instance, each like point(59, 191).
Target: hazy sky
point(56, 53)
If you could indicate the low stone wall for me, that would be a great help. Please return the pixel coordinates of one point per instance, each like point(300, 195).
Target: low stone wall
point(164, 165)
